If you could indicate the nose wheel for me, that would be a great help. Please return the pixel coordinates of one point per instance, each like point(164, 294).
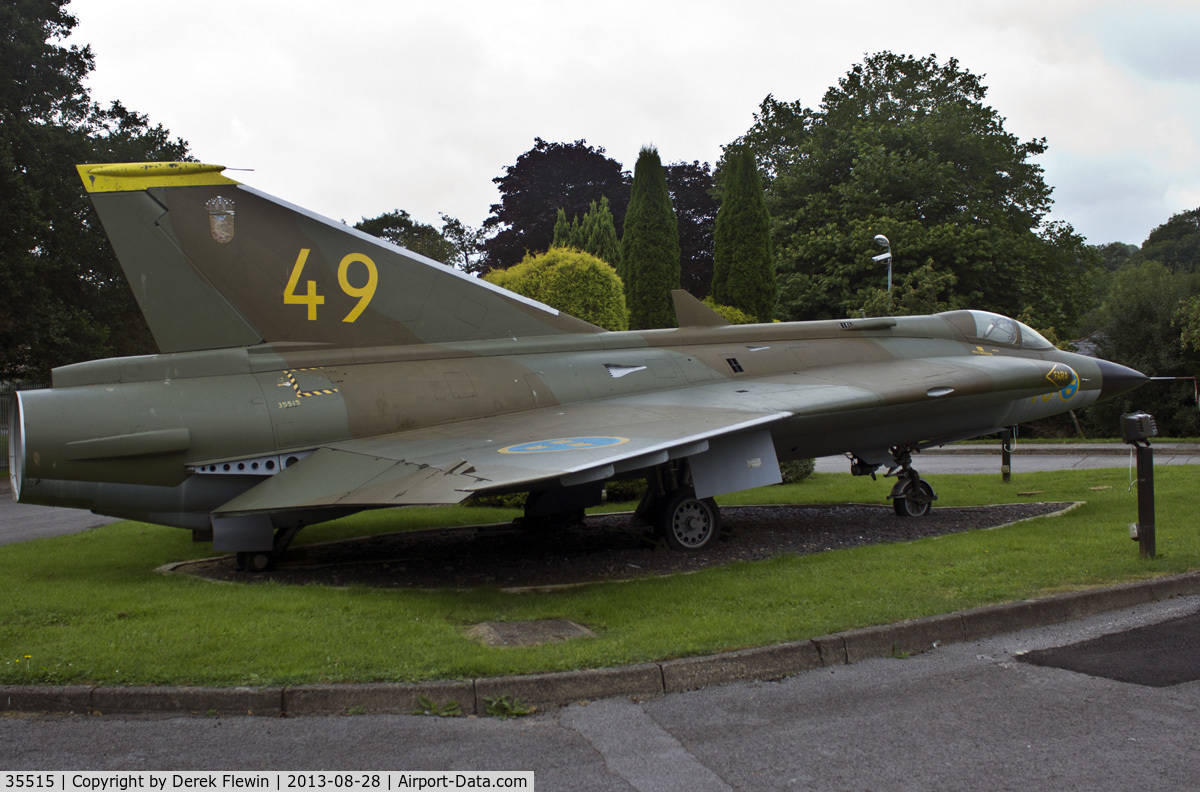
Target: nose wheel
point(911, 496)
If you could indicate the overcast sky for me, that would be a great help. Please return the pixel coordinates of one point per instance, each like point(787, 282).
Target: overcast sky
point(357, 107)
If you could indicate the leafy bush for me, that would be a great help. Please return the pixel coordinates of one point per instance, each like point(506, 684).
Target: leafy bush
point(625, 490)
point(572, 281)
point(729, 313)
point(797, 470)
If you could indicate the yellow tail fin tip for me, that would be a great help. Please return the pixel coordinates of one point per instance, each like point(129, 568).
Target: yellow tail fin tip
point(130, 176)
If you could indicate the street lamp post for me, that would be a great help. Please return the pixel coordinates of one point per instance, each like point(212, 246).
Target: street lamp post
point(883, 242)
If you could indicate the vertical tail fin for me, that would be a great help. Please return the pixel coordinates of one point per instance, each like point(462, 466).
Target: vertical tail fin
point(215, 263)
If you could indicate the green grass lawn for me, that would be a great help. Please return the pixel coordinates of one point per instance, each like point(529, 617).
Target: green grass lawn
point(91, 608)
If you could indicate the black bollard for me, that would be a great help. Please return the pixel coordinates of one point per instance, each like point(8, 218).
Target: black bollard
point(1006, 447)
point(1145, 472)
point(1136, 429)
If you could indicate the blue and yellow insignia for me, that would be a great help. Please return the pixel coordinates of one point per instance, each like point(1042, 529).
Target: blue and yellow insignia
point(564, 444)
point(1064, 379)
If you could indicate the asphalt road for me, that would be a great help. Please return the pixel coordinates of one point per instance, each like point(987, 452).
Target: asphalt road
point(20, 522)
point(966, 716)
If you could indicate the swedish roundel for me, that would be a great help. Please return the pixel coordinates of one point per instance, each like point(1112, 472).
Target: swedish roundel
point(564, 444)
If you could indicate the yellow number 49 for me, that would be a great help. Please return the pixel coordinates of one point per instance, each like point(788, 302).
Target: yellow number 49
point(312, 299)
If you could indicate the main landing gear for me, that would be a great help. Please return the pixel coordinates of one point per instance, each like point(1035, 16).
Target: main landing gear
point(911, 495)
point(671, 507)
point(264, 560)
point(688, 522)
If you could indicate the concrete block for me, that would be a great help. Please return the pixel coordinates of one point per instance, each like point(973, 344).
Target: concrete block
point(45, 698)
point(545, 690)
point(395, 698)
point(190, 700)
point(997, 620)
point(1077, 604)
point(903, 638)
point(1014, 616)
point(832, 649)
point(767, 662)
point(1186, 585)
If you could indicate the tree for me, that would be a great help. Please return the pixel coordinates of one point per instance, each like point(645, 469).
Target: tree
point(1176, 243)
point(779, 135)
point(466, 240)
point(566, 232)
point(398, 227)
point(743, 267)
point(693, 198)
point(650, 246)
point(66, 298)
point(906, 147)
point(1114, 254)
point(1138, 328)
point(572, 281)
point(596, 233)
point(922, 291)
point(544, 179)
point(1188, 320)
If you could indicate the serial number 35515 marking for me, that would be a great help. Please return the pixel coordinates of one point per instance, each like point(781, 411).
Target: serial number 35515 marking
point(312, 298)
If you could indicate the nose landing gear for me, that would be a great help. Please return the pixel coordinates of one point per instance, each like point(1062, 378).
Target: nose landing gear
point(911, 495)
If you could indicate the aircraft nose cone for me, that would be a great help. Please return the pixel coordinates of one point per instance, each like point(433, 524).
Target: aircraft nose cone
point(1116, 379)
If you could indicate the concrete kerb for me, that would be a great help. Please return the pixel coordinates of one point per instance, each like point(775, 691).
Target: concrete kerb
point(172, 700)
point(45, 698)
point(377, 698)
point(566, 687)
point(1063, 449)
point(644, 681)
point(765, 662)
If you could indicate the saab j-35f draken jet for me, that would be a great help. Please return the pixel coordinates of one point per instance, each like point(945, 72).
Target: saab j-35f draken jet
point(308, 371)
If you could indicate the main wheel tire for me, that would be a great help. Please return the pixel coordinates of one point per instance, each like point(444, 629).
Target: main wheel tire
point(255, 562)
point(913, 500)
point(689, 523)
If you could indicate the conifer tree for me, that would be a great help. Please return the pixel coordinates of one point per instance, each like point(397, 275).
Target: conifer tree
point(743, 269)
point(596, 233)
point(562, 230)
point(650, 246)
point(599, 234)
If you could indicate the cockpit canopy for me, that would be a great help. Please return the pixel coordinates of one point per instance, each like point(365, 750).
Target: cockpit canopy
point(993, 328)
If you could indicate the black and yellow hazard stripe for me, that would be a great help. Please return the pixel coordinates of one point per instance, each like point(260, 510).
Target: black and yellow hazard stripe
point(291, 378)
